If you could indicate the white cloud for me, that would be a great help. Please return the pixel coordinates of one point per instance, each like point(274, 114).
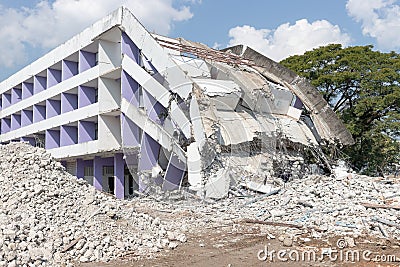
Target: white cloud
point(380, 19)
point(287, 40)
point(50, 23)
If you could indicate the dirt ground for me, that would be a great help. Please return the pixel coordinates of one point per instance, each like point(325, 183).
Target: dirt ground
point(246, 246)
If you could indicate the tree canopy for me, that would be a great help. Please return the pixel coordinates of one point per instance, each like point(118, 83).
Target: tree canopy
point(363, 88)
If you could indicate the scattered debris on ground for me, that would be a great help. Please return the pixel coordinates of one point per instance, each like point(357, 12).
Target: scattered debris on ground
point(49, 217)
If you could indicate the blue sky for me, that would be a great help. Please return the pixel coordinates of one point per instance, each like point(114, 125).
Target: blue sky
point(29, 29)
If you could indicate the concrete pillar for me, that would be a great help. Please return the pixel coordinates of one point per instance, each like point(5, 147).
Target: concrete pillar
point(80, 168)
point(39, 83)
point(86, 96)
point(27, 90)
point(53, 108)
point(53, 77)
point(87, 60)
point(98, 173)
point(119, 176)
point(69, 102)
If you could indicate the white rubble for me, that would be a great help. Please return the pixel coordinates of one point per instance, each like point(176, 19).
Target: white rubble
point(49, 218)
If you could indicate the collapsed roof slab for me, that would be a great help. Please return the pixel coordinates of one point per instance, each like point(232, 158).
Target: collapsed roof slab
point(329, 125)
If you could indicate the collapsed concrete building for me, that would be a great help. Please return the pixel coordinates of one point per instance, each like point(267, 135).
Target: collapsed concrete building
point(129, 110)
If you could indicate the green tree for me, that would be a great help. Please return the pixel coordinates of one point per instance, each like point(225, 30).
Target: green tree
point(363, 88)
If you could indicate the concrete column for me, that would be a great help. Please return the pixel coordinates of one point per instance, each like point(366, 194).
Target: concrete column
point(27, 90)
point(53, 77)
point(80, 168)
point(86, 131)
point(53, 108)
point(174, 174)
point(39, 83)
point(98, 173)
point(39, 113)
point(68, 135)
point(16, 95)
point(87, 60)
point(86, 96)
point(119, 176)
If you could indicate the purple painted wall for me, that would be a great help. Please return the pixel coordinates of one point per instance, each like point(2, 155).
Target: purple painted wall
point(153, 108)
point(69, 69)
point(174, 175)
point(15, 121)
point(69, 102)
point(30, 140)
point(16, 95)
point(39, 83)
point(130, 89)
point(53, 108)
point(53, 77)
point(87, 60)
point(119, 182)
point(6, 100)
point(26, 117)
point(80, 168)
point(68, 135)
point(52, 139)
point(27, 90)
point(148, 157)
point(86, 131)
point(5, 125)
point(297, 103)
point(129, 48)
point(130, 132)
point(98, 164)
point(149, 153)
point(39, 113)
point(86, 96)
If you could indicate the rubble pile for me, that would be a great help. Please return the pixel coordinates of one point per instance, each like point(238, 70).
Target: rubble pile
point(49, 217)
point(353, 204)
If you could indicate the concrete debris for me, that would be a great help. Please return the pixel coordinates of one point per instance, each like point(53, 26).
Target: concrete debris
point(49, 218)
